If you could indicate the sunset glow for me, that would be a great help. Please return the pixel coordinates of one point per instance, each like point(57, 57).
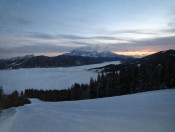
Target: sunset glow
point(135, 53)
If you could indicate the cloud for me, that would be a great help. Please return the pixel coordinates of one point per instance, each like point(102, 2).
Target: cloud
point(47, 43)
point(41, 36)
point(138, 31)
point(172, 30)
point(74, 39)
point(22, 21)
point(105, 38)
point(71, 37)
point(153, 44)
point(171, 24)
point(134, 32)
point(13, 19)
point(170, 40)
point(41, 49)
point(49, 36)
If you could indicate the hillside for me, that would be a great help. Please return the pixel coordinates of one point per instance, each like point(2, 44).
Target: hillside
point(143, 112)
point(150, 72)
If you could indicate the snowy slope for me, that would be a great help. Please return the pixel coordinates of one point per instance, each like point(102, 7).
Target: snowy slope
point(95, 53)
point(21, 57)
point(92, 53)
point(47, 78)
point(144, 112)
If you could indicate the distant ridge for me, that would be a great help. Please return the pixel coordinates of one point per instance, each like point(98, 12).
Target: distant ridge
point(74, 58)
point(95, 53)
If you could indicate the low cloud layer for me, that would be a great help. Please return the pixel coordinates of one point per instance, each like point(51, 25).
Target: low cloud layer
point(44, 43)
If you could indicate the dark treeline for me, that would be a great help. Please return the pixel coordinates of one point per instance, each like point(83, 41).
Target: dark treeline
point(12, 100)
point(129, 78)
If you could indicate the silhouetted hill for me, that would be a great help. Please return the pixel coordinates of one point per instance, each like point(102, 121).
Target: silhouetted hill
point(156, 70)
point(153, 59)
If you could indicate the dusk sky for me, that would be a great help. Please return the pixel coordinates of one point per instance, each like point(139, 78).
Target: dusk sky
point(52, 27)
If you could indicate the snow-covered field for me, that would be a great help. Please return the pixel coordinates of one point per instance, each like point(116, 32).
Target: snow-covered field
point(143, 112)
point(47, 78)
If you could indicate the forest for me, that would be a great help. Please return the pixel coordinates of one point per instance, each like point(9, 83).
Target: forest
point(12, 100)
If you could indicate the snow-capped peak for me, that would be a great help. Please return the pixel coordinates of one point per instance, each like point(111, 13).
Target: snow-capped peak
point(91, 53)
point(22, 57)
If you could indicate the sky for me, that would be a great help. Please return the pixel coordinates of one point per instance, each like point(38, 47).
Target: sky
point(53, 27)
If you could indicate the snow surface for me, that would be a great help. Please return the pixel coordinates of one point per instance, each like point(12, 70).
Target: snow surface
point(138, 65)
point(47, 78)
point(118, 72)
point(16, 64)
point(152, 111)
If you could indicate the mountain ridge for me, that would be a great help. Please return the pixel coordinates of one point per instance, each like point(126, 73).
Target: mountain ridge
point(94, 53)
point(65, 60)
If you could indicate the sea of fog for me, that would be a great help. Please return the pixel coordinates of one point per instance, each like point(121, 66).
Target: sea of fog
point(47, 78)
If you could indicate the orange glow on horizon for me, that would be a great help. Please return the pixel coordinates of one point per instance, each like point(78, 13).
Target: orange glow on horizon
point(135, 53)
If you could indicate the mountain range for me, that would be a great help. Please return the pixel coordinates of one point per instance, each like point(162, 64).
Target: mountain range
point(95, 53)
point(74, 58)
